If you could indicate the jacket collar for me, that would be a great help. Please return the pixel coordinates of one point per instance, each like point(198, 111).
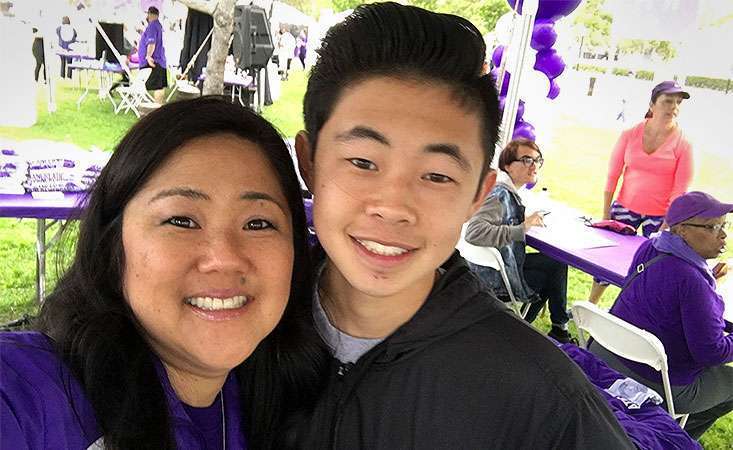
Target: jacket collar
point(456, 301)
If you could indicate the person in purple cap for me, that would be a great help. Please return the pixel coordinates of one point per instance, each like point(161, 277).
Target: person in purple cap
point(674, 298)
point(656, 162)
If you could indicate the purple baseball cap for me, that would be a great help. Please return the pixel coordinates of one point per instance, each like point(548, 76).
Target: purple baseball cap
point(668, 87)
point(696, 204)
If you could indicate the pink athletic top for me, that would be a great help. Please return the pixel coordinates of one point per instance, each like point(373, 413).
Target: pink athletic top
point(651, 181)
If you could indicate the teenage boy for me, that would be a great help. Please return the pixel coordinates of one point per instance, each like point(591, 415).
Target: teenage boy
point(400, 131)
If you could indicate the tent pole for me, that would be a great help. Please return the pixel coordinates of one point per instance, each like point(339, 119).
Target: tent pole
point(190, 64)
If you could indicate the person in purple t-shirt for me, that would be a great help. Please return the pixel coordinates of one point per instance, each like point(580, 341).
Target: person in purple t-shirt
point(674, 298)
point(152, 54)
point(183, 320)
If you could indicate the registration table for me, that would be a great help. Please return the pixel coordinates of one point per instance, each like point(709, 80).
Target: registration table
point(566, 238)
point(601, 253)
point(47, 209)
point(609, 262)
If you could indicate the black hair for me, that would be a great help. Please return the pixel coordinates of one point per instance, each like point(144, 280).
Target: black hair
point(96, 333)
point(390, 39)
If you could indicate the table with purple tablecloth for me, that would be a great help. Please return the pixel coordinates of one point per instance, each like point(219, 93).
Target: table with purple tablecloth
point(27, 207)
point(47, 207)
point(607, 263)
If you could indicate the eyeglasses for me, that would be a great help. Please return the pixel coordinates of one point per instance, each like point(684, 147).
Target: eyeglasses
point(715, 228)
point(528, 161)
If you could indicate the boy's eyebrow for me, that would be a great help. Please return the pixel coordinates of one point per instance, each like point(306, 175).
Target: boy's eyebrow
point(451, 150)
point(362, 132)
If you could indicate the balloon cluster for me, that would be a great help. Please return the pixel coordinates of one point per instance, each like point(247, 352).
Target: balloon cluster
point(547, 60)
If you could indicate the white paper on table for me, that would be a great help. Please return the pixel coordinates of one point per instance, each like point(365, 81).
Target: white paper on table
point(572, 234)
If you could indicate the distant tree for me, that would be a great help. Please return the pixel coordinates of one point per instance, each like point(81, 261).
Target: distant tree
point(310, 7)
point(491, 11)
point(472, 10)
point(596, 22)
point(662, 49)
point(343, 5)
point(223, 13)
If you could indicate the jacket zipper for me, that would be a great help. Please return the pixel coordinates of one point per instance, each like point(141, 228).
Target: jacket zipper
point(341, 372)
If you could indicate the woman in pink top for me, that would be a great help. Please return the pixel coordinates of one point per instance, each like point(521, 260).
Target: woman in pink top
point(656, 162)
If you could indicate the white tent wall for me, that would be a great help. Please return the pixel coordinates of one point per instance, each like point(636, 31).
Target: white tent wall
point(17, 87)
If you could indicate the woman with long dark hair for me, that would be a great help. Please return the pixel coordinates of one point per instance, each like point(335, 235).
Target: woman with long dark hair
point(183, 320)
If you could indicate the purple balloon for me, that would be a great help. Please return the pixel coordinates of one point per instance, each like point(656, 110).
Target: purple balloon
point(494, 74)
point(524, 130)
point(497, 55)
point(549, 63)
point(554, 90)
point(520, 107)
point(543, 35)
point(552, 9)
point(520, 110)
point(505, 84)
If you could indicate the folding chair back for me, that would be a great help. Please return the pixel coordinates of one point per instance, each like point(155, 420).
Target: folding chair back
point(490, 257)
point(133, 95)
point(626, 340)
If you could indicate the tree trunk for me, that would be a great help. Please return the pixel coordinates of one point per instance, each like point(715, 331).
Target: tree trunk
point(223, 25)
point(223, 12)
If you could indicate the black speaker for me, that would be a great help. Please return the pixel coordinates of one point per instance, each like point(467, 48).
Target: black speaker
point(115, 33)
point(252, 45)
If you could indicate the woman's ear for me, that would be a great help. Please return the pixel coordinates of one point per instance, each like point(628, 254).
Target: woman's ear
point(305, 158)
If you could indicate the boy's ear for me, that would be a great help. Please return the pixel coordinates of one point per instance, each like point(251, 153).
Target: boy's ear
point(484, 188)
point(305, 161)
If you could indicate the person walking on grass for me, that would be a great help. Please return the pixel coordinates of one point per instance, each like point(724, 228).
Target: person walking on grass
point(152, 54)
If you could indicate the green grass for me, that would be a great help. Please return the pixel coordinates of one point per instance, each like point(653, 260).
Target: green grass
point(287, 112)
point(566, 169)
point(93, 124)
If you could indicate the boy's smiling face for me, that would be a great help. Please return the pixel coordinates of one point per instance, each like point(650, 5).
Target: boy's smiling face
point(394, 176)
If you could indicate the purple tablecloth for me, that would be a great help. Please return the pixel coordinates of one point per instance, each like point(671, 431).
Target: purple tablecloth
point(607, 263)
point(25, 206)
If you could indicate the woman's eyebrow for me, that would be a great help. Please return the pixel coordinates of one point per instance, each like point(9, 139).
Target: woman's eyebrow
point(187, 192)
point(257, 195)
point(195, 194)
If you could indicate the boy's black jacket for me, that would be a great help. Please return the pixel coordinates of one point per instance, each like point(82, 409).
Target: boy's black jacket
point(463, 373)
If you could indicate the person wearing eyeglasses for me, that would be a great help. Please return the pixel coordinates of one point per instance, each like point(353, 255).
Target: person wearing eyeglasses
point(501, 223)
point(655, 159)
point(674, 298)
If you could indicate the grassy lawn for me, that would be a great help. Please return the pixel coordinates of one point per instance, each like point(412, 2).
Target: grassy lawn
point(577, 177)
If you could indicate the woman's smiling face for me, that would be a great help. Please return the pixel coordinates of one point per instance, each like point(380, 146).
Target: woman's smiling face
point(208, 247)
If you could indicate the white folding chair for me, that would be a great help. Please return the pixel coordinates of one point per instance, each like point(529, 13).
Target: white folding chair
point(133, 95)
point(626, 340)
point(490, 257)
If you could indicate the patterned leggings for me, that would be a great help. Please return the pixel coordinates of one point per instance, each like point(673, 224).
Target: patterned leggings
point(648, 224)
